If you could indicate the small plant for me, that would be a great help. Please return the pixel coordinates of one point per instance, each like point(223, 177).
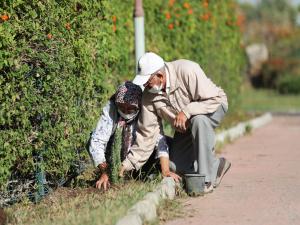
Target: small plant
point(115, 162)
point(248, 129)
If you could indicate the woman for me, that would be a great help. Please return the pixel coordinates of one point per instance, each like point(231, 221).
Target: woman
point(121, 112)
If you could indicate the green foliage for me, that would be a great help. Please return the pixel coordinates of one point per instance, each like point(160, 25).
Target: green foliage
point(203, 31)
point(284, 60)
point(289, 84)
point(59, 63)
point(277, 11)
point(271, 11)
point(61, 60)
point(115, 162)
point(273, 22)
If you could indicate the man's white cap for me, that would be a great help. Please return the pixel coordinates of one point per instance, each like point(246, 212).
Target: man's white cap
point(148, 64)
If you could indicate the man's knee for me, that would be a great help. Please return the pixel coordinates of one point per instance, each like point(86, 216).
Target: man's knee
point(200, 122)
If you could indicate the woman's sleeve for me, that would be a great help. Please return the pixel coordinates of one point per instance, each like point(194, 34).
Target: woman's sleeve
point(162, 146)
point(101, 135)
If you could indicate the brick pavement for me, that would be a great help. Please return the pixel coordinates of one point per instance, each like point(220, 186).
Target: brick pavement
point(263, 185)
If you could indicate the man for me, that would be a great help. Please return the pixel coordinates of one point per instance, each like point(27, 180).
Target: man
point(180, 93)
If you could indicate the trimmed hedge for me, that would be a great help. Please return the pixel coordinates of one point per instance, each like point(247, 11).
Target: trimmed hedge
point(61, 60)
point(289, 84)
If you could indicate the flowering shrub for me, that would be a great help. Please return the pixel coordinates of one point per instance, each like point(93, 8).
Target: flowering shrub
point(207, 32)
point(61, 60)
point(58, 64)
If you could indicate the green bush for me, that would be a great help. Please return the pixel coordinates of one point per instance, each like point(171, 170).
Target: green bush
point(203, 31)
point(289, 84)
point(61, 60)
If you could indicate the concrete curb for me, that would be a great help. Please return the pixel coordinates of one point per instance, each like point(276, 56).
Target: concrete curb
point(241, 128)
point(145, 209)
point(286, 113)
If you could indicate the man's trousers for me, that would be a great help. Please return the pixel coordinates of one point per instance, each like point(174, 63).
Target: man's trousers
point(196, 145)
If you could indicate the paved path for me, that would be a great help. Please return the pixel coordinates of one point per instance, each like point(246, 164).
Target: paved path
point(263, 185)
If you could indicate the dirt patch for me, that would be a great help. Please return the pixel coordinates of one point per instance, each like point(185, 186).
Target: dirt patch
point(69, 193)
point(2, 217)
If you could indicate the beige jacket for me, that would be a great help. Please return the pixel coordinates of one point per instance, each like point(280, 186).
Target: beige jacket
point(190, 91)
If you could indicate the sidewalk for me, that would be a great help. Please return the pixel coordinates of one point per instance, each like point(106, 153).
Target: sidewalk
point(263, 185)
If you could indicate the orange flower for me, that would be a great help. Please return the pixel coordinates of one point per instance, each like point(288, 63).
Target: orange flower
point(68, 26)
point(171, 2)
point(186, 5)
point(4, 17)
point(114, 28)
point(168, 15)
point(114, 19)
point(240, 20)
point(49, 36)
point(190, 11)
point(205, 4)
point(171, 26)
point(205, 16)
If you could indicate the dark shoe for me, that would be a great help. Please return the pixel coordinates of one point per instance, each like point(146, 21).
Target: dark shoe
point(222, 169)
point(208, 188)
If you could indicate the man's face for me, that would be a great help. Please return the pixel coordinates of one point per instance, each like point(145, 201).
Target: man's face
point(155, 79)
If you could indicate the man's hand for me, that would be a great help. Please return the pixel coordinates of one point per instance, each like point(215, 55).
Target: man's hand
point(121, 172)
point(103, 181)
point(180, 122)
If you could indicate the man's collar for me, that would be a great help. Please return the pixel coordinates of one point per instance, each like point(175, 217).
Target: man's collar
point(172, 76)
point(167, 81)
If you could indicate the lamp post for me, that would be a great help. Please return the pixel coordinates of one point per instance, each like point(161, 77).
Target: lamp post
point(139, 30)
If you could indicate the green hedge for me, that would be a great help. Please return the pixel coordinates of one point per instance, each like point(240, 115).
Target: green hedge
point(289, 84)
point(61, 60)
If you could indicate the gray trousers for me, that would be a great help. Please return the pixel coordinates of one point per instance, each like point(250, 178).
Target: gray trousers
point(196, 145)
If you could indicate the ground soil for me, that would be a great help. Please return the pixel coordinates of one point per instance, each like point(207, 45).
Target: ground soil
point(2, 217)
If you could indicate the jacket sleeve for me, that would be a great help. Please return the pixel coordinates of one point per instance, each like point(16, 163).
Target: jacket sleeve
point(204, 93)
point(101, 135)
point(148, 130)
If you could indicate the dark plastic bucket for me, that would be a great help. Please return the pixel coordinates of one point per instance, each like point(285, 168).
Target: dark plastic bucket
point(194, 184)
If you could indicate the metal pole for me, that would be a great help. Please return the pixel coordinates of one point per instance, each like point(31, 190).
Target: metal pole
point(139, 30)
point(40, 179)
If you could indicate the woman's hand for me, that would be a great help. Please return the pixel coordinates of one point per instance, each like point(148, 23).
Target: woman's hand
point(165, 170)
point(103, 182)
point(175, 176)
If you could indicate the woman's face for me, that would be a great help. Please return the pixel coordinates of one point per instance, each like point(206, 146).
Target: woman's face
point(127, 108)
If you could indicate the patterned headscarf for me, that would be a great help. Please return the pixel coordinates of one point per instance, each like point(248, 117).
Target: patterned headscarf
point(129, 93)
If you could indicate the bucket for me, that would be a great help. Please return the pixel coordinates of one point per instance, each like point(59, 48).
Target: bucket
point(194, 184)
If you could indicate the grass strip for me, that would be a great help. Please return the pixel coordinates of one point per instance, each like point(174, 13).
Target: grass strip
point(80, 206)
point(262, 100)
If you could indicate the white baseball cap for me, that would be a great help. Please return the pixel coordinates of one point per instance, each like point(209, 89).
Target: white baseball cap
point(148, 64)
